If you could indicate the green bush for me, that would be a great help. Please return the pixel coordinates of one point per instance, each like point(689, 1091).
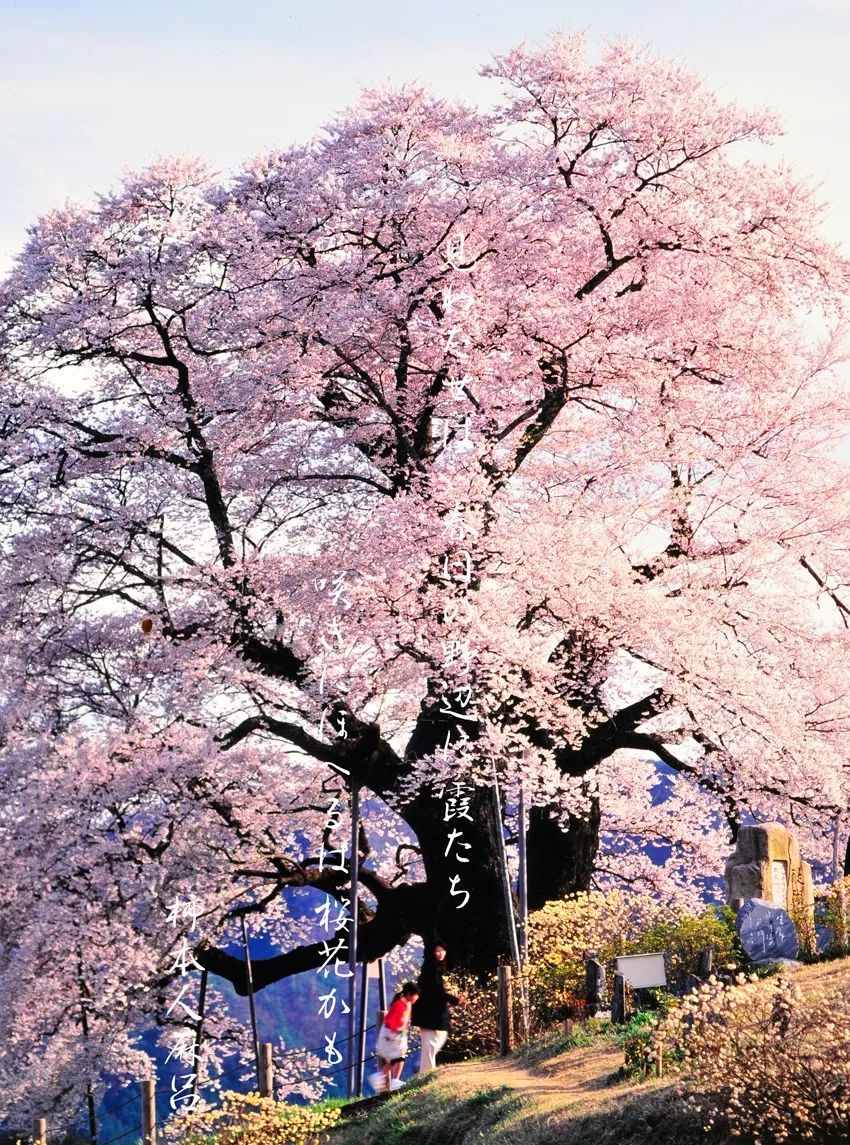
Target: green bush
point(562, 935)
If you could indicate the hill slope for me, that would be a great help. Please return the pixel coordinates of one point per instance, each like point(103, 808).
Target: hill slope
point(569, 1098)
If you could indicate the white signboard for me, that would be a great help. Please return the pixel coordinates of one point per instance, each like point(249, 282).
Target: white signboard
point(642, 970)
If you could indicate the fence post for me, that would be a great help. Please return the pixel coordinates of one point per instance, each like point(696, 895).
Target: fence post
point(706, 963)
point(506, 1011)
point(618, 1001)
point(659, 1058)
point(266, 1070)
point(39, 1131)
point(148, 1112)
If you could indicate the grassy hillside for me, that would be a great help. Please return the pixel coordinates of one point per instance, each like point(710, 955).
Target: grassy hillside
point(549, 1094)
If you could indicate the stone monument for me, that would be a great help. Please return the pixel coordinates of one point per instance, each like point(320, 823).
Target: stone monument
point(766, 865)
point(767, 932)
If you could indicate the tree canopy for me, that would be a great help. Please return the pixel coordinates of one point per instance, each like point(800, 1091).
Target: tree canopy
point(452, 444)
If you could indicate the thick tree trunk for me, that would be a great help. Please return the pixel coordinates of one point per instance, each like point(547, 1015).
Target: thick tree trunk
point(560, 862)
point(476, 933)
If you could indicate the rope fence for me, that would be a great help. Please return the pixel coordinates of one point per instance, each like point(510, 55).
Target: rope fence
point(146, 1131)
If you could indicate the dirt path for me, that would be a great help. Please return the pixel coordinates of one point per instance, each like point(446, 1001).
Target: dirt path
point(576, 1076)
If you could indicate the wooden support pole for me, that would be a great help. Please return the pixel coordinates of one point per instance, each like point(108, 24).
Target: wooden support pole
point(522, 880)
point(510, 913)
point(382, 990)
point(266, 1070)
point(706, 963)
point(39, 1131)
point(659, 1059)
point(148, 1112)
point(92, 1112)
point(85, 997)
point(506, 1011)
point(503, 869)
point(522, 895)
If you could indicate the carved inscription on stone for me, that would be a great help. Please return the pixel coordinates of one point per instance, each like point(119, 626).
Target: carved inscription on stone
point(779, 883)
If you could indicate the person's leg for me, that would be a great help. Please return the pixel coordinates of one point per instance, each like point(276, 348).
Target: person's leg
point(398, 1063)
point(427, 1051)
point(379, 1080)
point(440, 1041)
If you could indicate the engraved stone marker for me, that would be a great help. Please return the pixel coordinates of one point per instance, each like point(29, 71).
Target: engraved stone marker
point(766, 931)
point(767, 865)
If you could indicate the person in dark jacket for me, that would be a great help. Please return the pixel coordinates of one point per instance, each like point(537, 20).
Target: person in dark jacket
point(431, 1011)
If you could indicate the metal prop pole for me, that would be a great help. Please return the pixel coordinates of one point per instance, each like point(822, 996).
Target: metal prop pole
point(361, 1026)
point(250, 976)
point(199, 1030)
point(506, 883)
point(354, 866)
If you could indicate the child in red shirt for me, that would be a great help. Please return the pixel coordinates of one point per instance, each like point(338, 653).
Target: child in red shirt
point(391, 1047)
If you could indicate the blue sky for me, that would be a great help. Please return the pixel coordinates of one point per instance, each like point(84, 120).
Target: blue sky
point(90, 88)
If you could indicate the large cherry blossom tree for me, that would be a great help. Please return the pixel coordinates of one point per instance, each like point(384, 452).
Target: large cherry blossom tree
point(449, 446)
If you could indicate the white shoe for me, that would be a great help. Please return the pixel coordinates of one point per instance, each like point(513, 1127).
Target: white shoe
point(378, 1082)
point(396, 1084)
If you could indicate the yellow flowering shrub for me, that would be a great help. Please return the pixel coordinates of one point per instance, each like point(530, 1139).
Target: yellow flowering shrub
point(772, 1063)
point(475, 1025)
point(605, 925)
point(248, 1119)
point(561, 936)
